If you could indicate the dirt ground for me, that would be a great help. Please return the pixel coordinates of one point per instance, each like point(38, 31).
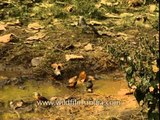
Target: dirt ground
point(20, 77)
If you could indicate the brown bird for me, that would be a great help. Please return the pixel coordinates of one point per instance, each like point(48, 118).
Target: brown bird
point(72, 82)
point(82, 76)
point(38, 97)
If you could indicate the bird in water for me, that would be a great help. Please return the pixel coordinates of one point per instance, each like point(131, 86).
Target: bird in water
point(72, 82)
point(82, 77)
point(16, 104)
point(38, 97)
point(89, 86)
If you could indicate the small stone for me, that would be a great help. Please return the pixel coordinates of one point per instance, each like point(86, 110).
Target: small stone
point(36, 61)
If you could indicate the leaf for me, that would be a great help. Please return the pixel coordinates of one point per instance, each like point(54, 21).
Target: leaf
point(7, 38)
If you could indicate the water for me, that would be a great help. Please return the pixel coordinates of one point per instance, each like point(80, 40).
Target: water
point(107, 85)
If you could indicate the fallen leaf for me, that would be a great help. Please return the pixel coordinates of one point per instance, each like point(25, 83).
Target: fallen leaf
point(152, 8)
point(151, 89)
point(35, 26)
point(73, 57)
point(7, 38)
point(123, 15)
point(37, 36)
point(155, 68)
point(2, 28)
point(97, 23)
point(88, 47)
point(13, 23)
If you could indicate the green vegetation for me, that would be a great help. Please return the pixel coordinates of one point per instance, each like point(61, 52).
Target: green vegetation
point(141, 64)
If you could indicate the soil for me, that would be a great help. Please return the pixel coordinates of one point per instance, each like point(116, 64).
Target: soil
point(19, 78)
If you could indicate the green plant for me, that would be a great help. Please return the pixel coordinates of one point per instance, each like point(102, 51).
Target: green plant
point(141, 72)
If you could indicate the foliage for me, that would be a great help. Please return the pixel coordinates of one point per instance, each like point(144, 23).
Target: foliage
point(141, 71)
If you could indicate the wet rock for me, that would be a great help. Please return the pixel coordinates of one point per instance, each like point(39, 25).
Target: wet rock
point(88, 47)
point(36, 61)
point(7, 38)
point(73, 57)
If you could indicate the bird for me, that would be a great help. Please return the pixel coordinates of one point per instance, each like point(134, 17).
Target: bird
point(16, 104)
point(82, 22)
point(38, 97)
point(72, 82)
point(89, 86)
point(82, 77)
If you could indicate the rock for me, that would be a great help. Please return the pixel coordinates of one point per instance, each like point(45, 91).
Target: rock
point(7, 38)
point(73, 57)
point(152, 8)
point(36, 61)
point(88, 47)
point(37, 36)
point(35, 26)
